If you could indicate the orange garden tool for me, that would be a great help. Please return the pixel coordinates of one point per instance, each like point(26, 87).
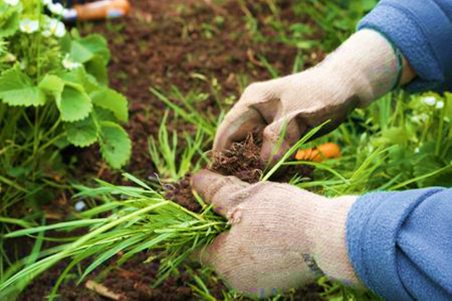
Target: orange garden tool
point(320, 153)
point(99, 10)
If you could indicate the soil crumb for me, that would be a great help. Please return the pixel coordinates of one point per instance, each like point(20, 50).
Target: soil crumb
point(242, 160)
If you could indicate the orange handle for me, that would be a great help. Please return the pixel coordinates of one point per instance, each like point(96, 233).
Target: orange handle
point(102, 9)
point(318, 154)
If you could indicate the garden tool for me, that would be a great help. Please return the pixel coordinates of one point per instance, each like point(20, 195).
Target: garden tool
point(98, 10)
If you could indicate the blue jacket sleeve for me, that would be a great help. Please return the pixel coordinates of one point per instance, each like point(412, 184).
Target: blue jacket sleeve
point(422, 30)
point(400, 243)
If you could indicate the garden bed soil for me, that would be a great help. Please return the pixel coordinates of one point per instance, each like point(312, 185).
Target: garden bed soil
point(176, 43)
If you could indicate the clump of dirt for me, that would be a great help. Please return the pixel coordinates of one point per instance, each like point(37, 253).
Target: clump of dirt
point(241, 160)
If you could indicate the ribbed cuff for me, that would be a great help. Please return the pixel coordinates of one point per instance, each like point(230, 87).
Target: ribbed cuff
point(330, 251)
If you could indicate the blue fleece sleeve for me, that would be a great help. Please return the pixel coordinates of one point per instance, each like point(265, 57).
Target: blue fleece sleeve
point(400, 243)
point(422, 30)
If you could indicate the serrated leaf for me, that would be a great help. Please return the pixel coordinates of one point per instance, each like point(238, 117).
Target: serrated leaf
point(52, 85)
point(116, 146)
point(17, 89)
point(104, 114)
point(85, 49)
point(113, 101)
point(74, 104)
point(81, 133)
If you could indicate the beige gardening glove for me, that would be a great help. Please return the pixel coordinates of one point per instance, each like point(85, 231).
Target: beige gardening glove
point(364, 68)
point(281, 237)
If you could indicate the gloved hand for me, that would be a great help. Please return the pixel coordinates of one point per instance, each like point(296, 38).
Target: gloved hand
point(361, 70)
point(281, 236)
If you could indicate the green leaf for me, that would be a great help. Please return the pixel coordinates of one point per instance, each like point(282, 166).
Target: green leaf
point(80, 77)
point(81, 133)
point(116, 146)
point(393, 135)
point(98, 68)
point(79, 53)
point(113, 101)
point(97, 44)
point(85, 49)
point(427, 164)
point(65, 43)
point(52, 85)
point(9, 23)
point(74, 104)
point(104, 114)
point(17, 89)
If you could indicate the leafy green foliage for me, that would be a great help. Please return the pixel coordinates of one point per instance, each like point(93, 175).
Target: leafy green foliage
point(9, 22)
point(87, 48)
point(115, 146)
point(338, 19)
point(52, 86)
point(145, 220)
point(113, 101)
point(74, 104)
point(399, 142)
point(17, 89)
point(82, 133)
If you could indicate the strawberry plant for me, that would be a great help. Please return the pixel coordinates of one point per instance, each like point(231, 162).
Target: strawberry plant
point(53, 93)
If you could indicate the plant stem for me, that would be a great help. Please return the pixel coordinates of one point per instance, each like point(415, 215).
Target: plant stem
point(439, 137)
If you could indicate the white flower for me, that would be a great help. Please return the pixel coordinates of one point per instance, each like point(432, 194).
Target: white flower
point(29, 26)
point(68, 63)
point(439, 105)
point(430, 100)
point(54, 27)
point(56, 8)
point(417, 150)
point(12, 2)
point(47, 2)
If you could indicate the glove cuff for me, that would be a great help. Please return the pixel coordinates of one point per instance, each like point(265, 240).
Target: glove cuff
point(329, 241)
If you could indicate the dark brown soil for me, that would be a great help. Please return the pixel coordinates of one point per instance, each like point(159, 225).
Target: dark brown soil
point(241, 160)
point(196, 46)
